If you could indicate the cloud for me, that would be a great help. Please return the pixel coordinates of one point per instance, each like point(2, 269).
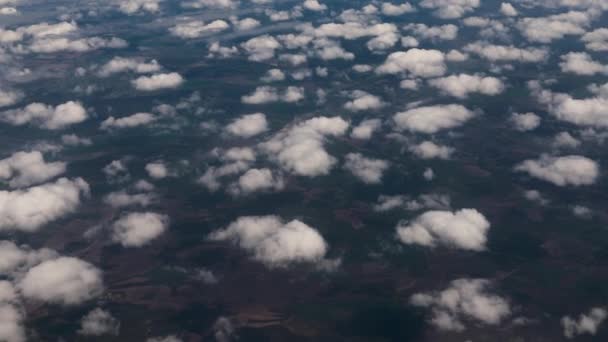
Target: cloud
point(224, 330)
point(363, 101)
point(525, 122)
point(565, 139)
point(273, 242)
point(157, 170)
point(99, 322)
point(210, 4)
point(368, 170)
point(31, 208)
point(134, 120)
point(507, 53)
point(9, 97)
point(586, 324)
point(464, 229)
point(15, 260)
point(430, 150)
point(245, 24)
point(465, 299)
point(267, 94)
point(11, 315)
point(120, 64)
point(256, 180)
point(568, 170)
point(54, 44)
point(170, 338)
point(450, 9)
point(580, 63)
point(366, 129)
point(74, 140)
point(462, 85)
point(508, 10)
point(443, 32)
point(158, 81)
point(138, 229)
point(547, 29)
point(197, 28)
point(314, 5)
point(28, 168)
point(392, 10)
point(274, 75)
point(134, 6)
point(416, 62)
point(120, 199)
point(65, 281)
point(596, 40)
point(261, 48)
point(299, 149)
point(432, 119)
point(248, 125)
point(45, 116)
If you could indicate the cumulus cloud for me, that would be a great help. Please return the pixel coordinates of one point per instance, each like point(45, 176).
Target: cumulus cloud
point(443, 32)
point(31, 208)
point(508, 9)
point(134, 120)
point(28, 168)
point(568, 170)
point(366, 129)
point(525, 122)
point(134, 6)
point(257, 180)
point(580, 63)
point(9, 97)
point(299, 149)
point(248, 125)
point(586, 323)
point(547, 29)
point(261, 48)
point(273, 242)
point(169, 338)
point(210, 4)
point(314, 5)
point(363, 101)
point(266, 94)
point(464, 299)
point(432, 119)
point(390, 9)
point(15, 260)
point(430, 150)
point(138, 229)
point(158, 81)
point(74, 140)
point(60, 44)
point(120, 64)
point(65, 281)
point(99, 322)
point(464, 229)
point(424, 201)
point(197, 28)
point(450, 9)
point(45, 116)
point(596, 40)
point(11, 315)
point(463, 84)
point(507, 53)
point(122, 198)
point(416, 62)
point(367, 170)
point(157, 170)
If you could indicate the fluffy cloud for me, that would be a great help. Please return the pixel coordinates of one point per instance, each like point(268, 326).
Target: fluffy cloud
point(273, 242)
point(365, 129)
point(121, 199)
point(28, 168)
point(464, 299)
point(44, 116)
point(261, 48)
point(266, 94)
point(99, 322)
point(561, 171)
point(364, 101)
point(11, 316)
point(248, 125)
point(465, 229)
point(138, 229)
point(9, 97)
point(170, 338)
point(416, 62)
point(256, 180)
point(432, 119)
point(367, 170)
point(134, 120)
point(430, 150)
point(210, 3)
point(29, 209)
point(463, 84)
point(299, 149)
point(450, 9)
point(120, 64)
point(586, 324)
point(314, 5)
point(424, 201)
point(596, 40)
point(525, 122)
point(547, 29)
point(157, 170)
point(197, 28)
point(14, 259)
point(580, 63)
point(158, 81)
point(390, 9)
point(64, 280)
point(444, 32)
point(504, 53)
point(508, 9)
point(134, 6)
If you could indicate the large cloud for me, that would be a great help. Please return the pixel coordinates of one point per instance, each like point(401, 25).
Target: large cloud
point(465, 229)
point(30, 209)
point(368, 170)
point(274, 242)
point(547, 29)
point(463, 84)
point(64, 280)
point(44, 116)
point(465, 299)
point(567, 170)
point(432, 119)
point(299, 149)
point(28, 168)
point(416, 62)
point(138, 229)
point(580, 63)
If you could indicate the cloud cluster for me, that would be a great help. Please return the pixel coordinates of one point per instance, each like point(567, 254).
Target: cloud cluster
point(463, 84)
point(432, 119)
point(415, 62)
point(45, 116)
point(567, 170)
point(138, 229)
point(273, 242)
point(547, 29)
point(586, 324)
point(465, 229)
point(28, 168)
point(363, 101)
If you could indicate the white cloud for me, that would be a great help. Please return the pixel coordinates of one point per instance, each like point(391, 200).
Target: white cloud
point(366, 129)
point(273, 242)
point(416, 62)
point(248, 125)
point(134, 120)
point(368, 170)
point(508, 9)
point(363, 101)
point(47, 117)
point(432, 119)
point(15, 260)
point(596, 40)
point(267, 94)
point(31, 208)
point(525, 122)
point(170, 338)
point(256, 180)
point(28, 168)
point(261, 48)
point(580, 63)
point(99, 322)
point(11, 315)
point(547, 29)
point(463, 84)
point(450, 9)
point(157, 170)
point(465, 298)
point(565, 139)
point(586, 324)
point(245, 24)
point(65, 280)
point(9, 97)
point(138, 229)
point(59, 44)
point(299, 149)
point(121, 199)
point(210, 4)
point(74, 140)
point(464, 229)
point(430, 150)
point(158, 81)
point(568, 170)
point(273, 75)
point(134, 6)
point(314, 5)
point(504, 53)
point(390, 9)
point(443, 32)
point(120, 64)
point(197, 28)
